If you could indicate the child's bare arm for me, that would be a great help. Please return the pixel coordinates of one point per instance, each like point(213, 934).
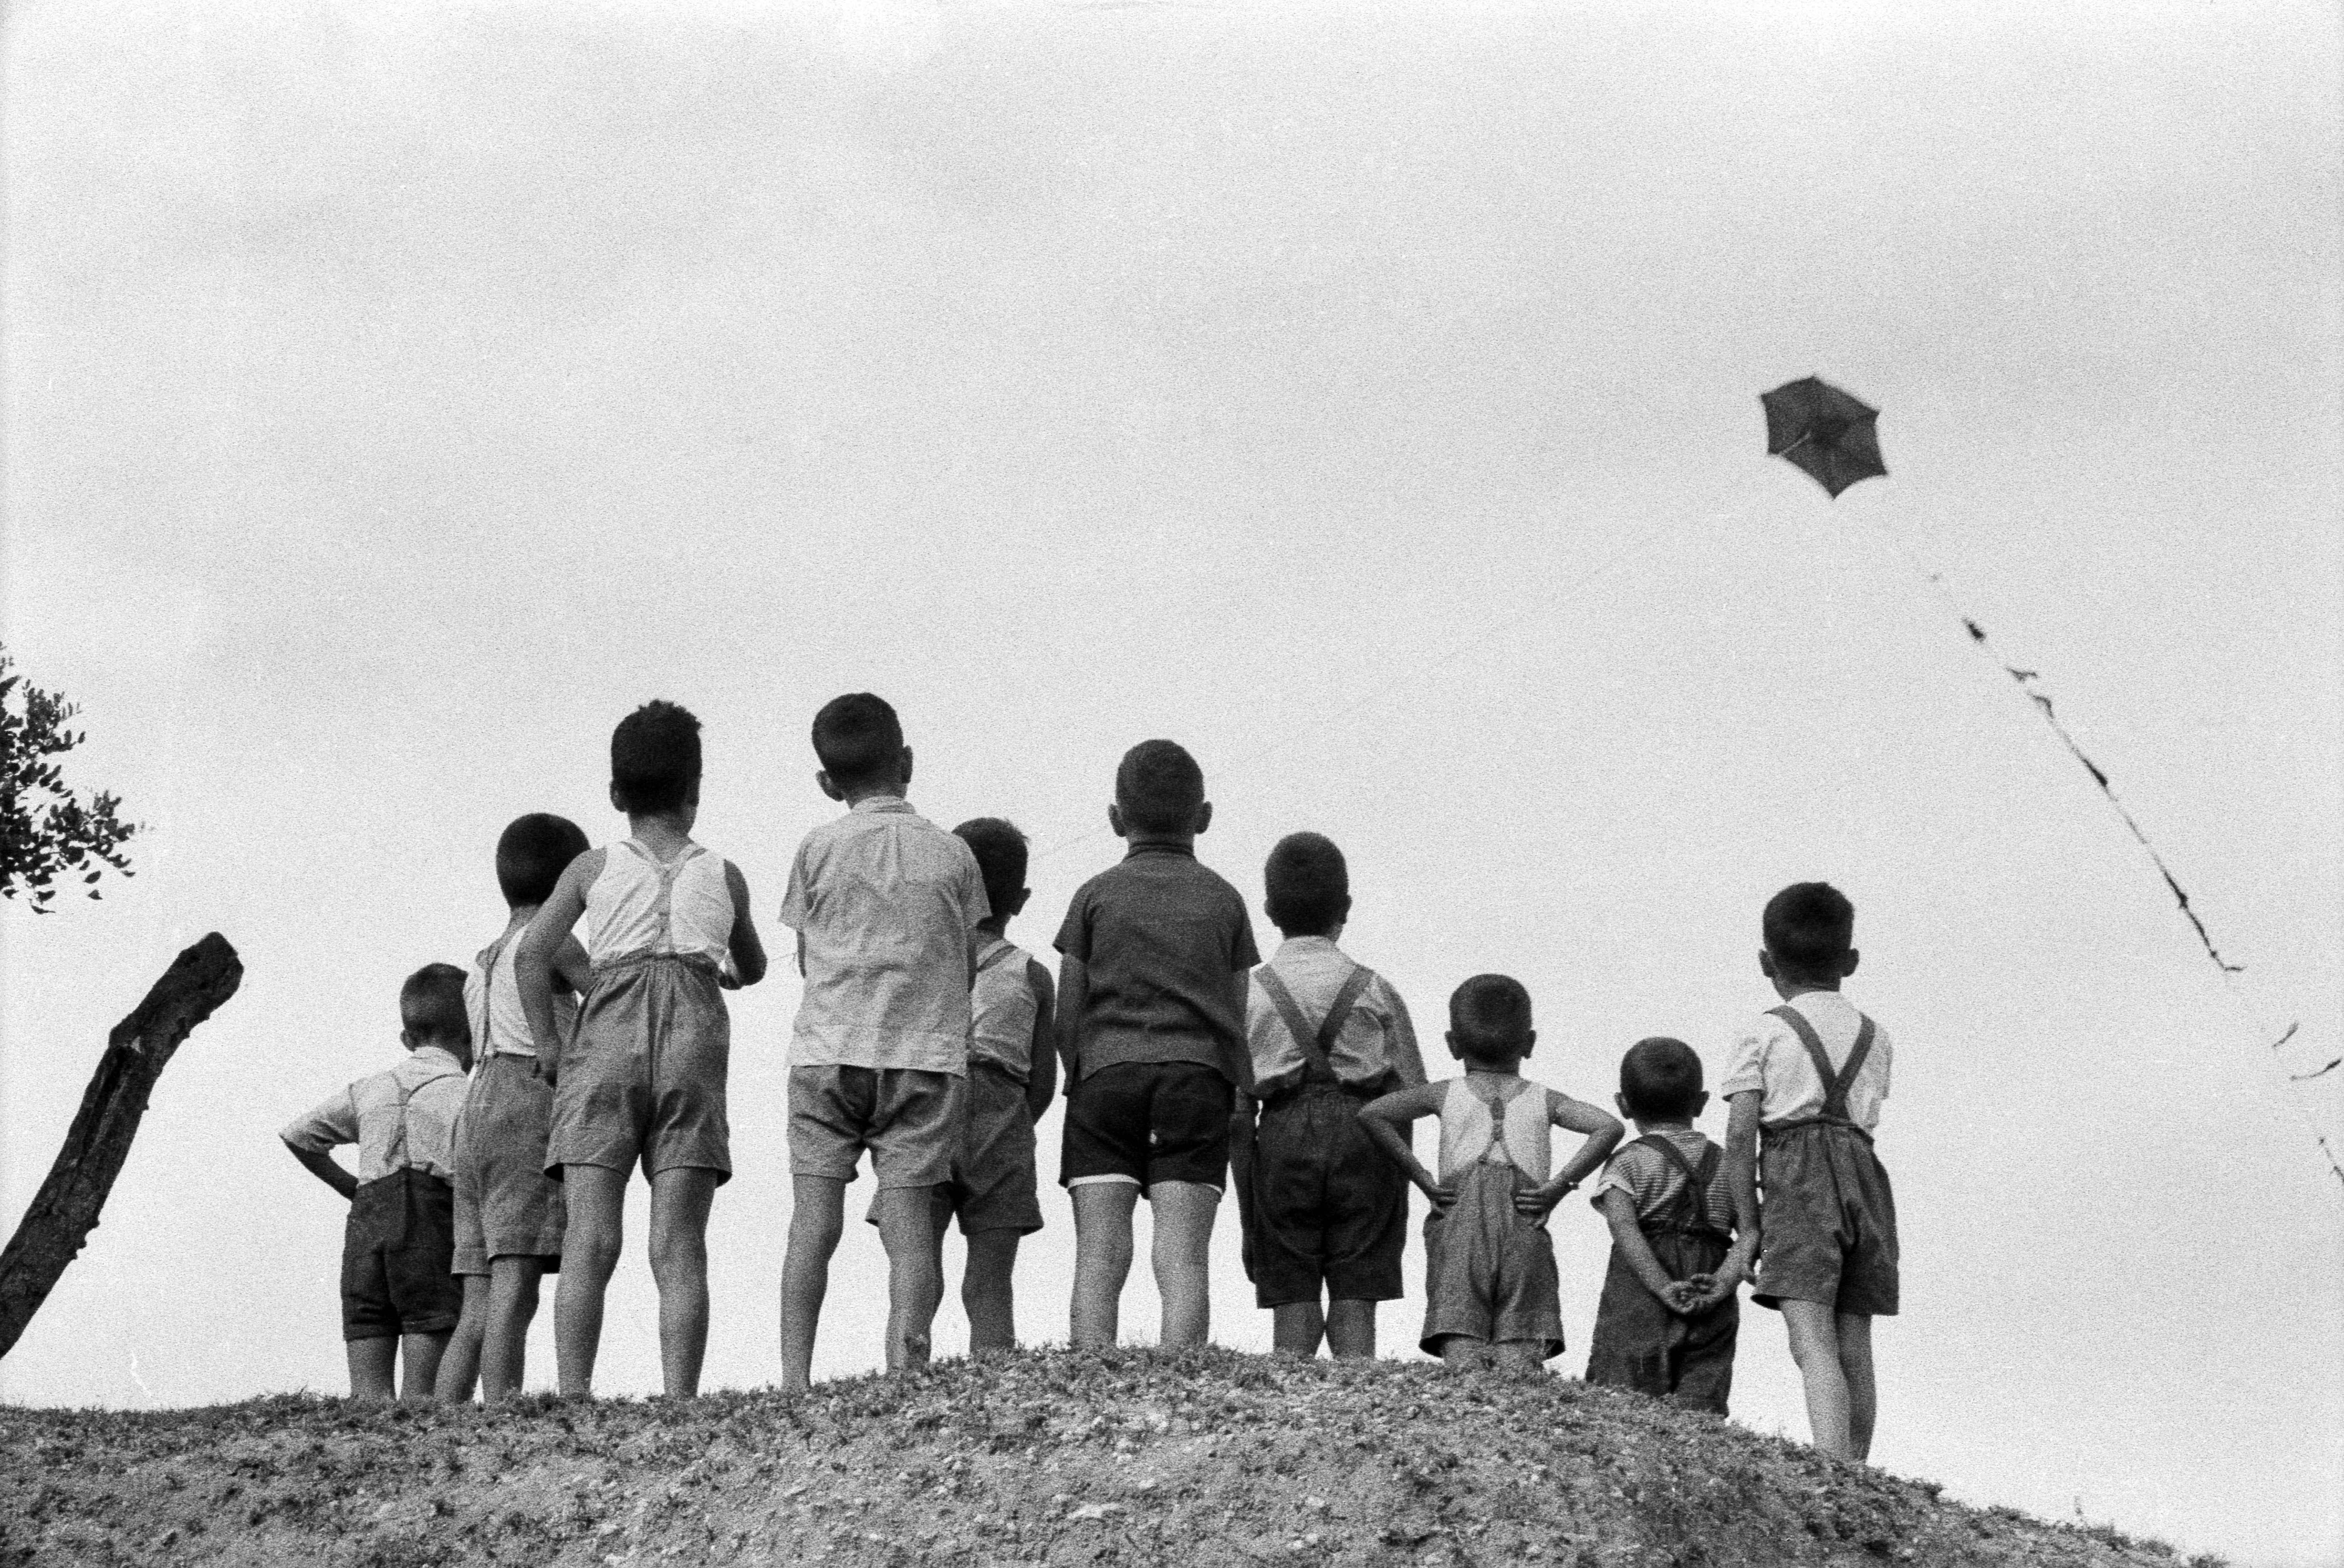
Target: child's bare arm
point(1628, 1239)
point(1387, 1121)
point(325, 1169)
point(572, 970)
point(533, 964)
point(1741, 1186)
point(1042, 1061)
point(748, 952)
point(1073, 986)
point(1603, 1132)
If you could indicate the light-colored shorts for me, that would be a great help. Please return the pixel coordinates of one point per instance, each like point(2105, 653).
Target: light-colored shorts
point(506, 1206)
point(642, 1075)
point(909, 1120)
point(1489, 1271)
point(992, 1184)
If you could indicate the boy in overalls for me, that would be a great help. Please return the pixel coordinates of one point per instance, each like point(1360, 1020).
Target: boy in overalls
point(1811, 1075)
point(1323, 1211)
point(1667, 1321)
point(397, 1294)
point(1490, 1279)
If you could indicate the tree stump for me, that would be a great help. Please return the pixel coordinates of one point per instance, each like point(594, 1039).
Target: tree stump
point(64, 1210)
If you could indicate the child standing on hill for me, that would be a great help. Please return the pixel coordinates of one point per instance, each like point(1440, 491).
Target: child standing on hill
point(509, 1213)
point(1323, 1210)
point(1668, 1318)
point(1806, 1083)
point(1012, 1076)
point(886, 907)
point(1151, 1025)
point(1489, 1278)
point(641, 1077)
point(399, 1303)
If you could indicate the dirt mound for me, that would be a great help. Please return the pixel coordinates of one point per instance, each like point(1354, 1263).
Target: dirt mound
point(1127, 1457)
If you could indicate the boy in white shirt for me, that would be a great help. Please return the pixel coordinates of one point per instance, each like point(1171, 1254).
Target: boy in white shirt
point(1809, 1076)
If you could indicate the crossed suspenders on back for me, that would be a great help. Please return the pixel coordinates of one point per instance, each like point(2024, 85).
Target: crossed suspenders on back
point(1836, 1083)
point(1317, 1045)
point(1691, 1212)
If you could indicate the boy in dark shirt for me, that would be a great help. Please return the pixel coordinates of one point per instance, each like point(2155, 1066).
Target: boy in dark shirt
point(1151, 1028)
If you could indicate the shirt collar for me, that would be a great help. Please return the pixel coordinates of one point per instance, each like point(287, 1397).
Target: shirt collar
point(437, 1056)
point(881, 802)
point(1298, 946)
point(1153, 847)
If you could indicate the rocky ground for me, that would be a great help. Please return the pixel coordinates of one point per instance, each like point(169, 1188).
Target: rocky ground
point(1207, 1459)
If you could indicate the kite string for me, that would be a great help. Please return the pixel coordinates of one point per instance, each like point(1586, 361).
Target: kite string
point(2029, 683)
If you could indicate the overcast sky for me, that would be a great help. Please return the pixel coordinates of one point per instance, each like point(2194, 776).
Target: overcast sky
point(396, 395)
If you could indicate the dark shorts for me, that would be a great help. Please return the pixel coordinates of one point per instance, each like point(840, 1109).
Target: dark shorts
point(396, 1249)
point(506, 1206)
point(1639, 1344)
point(1489, 1271)
point(1329, 1211)
point(909, 1120)
point(1829, 1222)
point(642, 1075)
point(991, 1184)
point(1146, 1122)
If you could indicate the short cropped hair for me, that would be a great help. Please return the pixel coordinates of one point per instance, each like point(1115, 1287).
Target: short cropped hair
point(1159, 787)
point(655, 757)
point(1000, 851)
point(432, 1003)
point(1491, 1016)
point(1310, 886)
point(857, 736)
point(1809, 927)
point(531, 855)
point(1659, 1080)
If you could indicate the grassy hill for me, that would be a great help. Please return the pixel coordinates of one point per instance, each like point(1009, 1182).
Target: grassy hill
point(1207, 1458)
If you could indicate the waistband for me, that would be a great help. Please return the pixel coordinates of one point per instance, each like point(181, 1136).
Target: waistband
point(644, 958)
point(1001, 1071)
point(403, 1176)
point(1804, 1123)
point(1323, 1088)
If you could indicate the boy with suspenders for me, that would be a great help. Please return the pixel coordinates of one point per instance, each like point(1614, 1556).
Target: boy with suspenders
point(1322, 1208)
point(509, 1213)
point(1810, 1077)
point(399, 1303)
point(1667, 1321)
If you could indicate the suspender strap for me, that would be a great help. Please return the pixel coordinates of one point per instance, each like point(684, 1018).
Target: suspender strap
point(1317, 1048)
point(1697, 1175)
point(485, 1046)
point(993, 955)
point(1836, 1083)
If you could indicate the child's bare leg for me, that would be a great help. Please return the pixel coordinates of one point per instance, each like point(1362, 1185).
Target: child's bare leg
point(1463, 1353)
point(372, 1364)
point(1296, 1328)
point(916, 1273)
point(1183, 1242)
point(512, 1286)
point(460, 1366)
point(986, 1292)
point(817, 1220)
point(1520, 1358)
point(597, 1199)
point(1815, 1345)
point(680, 1199)
point(421, 1352)
point(1862, 1399)
point(1351, 1328)
point(1102, 1258)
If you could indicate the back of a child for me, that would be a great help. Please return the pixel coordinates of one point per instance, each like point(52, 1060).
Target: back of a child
point(1669, 1316)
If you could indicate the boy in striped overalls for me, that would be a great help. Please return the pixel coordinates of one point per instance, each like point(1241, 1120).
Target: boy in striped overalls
point(1810, 1077)
point(1489, 1280)
point(1667, 1321)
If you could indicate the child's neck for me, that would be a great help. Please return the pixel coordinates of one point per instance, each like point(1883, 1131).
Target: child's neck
point(1678, 1125)
point(877, 789)
point(1183, 841)
point(1512, 1070)
point(995, 926)
point(1788, 989)
point(517, 921)
point(662, 833)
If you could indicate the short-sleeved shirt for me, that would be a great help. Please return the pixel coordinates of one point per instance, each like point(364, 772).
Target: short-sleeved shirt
point(1768, 1055)
point(1002, 1005)
point(1160, 939)
point(885, 901)
point(1376, 1042)
point(1652, 1179)
point(367, 1113)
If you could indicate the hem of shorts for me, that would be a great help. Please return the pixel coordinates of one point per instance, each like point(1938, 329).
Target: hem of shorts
point(1772, 1301)
point(949, 1057)
point(1021, 1228)
point(1261, 1298)
point(723, 1171)
point(1430, 1343)
point(543, 1254)
point(1100, 1179)
point(429, 1326)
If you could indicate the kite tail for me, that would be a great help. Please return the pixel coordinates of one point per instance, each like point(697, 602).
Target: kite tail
point(2029, 683)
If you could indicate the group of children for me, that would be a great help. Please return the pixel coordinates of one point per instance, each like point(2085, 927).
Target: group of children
point(928, 1038)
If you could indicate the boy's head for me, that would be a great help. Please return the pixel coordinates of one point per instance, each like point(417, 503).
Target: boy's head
point(431, 1012)
point(531, 855)
point(1159, 792)
point(1660, 1080)
point(655, 760)
point(1000, 851)
point(1809, 930)
point(860, 742)
point(1309, 887)
point(1489, 1022)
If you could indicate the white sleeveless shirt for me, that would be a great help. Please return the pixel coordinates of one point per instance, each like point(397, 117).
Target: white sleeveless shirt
point(1470, 1135)
point(641, 905)
point(492, 1004)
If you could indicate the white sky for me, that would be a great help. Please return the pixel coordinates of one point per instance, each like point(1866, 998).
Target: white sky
point(396, 395)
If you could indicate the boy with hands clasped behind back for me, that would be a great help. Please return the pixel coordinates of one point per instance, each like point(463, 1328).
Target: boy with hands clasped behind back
point(1489, 1278)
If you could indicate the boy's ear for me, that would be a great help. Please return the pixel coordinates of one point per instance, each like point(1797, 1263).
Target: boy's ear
point(828, 788)
point(1016, 902)
point(1529, 1039)
point(1700, 1104)
point(407, 1038)
point(1765, 963)
point(617, 801)
point(1622, 1101)
point(1451, 1036)
point(1204, 816)
point(1848, 968)
point(905, 777)
point(1114, 819)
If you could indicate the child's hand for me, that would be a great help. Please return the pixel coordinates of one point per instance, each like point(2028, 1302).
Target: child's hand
point(545, 1070)
point(1442, 1194)
point(1536, 1202)
point(1683, 1297)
